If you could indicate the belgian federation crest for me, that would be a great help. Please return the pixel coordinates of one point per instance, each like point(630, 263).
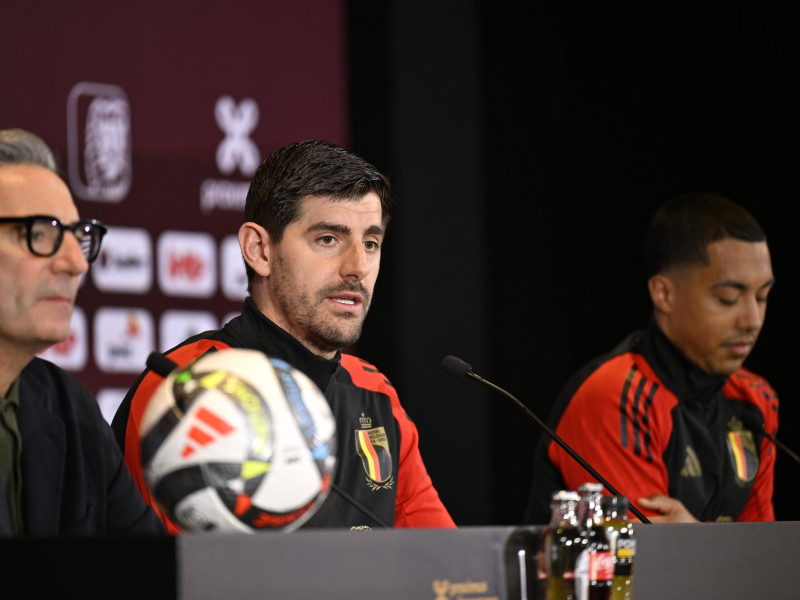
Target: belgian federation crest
point(372, 446)
point(743, 453)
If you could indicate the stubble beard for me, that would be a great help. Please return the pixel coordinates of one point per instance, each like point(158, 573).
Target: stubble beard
point(315, 329)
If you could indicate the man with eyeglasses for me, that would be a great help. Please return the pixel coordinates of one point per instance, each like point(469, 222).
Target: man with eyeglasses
point(61, 472)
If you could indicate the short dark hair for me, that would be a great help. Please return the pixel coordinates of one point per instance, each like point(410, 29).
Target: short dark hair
point(309, 168)
point(685, 225)
point(20, 147)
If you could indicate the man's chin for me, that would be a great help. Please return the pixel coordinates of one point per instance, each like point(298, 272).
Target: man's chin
point(339, 339)
point(727, 367)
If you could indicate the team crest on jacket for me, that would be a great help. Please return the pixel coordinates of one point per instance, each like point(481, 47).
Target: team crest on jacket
point(373, 448)
point(742, 451)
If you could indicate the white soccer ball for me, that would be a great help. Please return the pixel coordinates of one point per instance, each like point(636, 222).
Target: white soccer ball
point(238, 442)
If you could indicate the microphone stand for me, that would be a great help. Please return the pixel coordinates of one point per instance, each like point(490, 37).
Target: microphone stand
point(463, 369)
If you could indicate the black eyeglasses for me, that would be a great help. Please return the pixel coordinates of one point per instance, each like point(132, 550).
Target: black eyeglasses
point(45, 234)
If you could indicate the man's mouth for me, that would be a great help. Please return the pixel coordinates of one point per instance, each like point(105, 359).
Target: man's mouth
point(59, 299)
point(346, 300)
point(740, 347)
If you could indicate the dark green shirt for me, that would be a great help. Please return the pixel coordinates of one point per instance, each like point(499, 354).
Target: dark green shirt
point(10, 456)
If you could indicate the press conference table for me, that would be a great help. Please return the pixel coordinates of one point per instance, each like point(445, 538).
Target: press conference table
point(704, 561)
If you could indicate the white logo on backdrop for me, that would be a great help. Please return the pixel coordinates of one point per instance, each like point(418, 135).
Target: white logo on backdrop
point(187, 264)
point(233, 277)
point(125, 262)
point(103, 146)
point(123, 339)
point(71, 354)
point(109, 400)
point(176, 326)
point(237, 122)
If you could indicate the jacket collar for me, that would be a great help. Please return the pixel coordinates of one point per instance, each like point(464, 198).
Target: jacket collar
point(676, 370)
point(253, 330)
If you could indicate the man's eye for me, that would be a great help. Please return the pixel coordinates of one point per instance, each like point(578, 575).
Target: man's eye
point(327, 239)
point(728, 301)
point(372, 245)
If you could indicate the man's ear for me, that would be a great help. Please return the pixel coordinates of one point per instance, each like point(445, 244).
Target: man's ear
point(254, 242)
point(662, 292)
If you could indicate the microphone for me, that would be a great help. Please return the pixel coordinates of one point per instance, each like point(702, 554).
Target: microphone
point(760, 427)
point(461, 370)
point(359, 506)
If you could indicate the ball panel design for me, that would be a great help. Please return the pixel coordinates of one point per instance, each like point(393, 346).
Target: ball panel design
point(238, 442)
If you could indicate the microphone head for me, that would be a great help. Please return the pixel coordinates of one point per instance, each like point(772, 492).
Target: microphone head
point(160, 364)
point(456, 367)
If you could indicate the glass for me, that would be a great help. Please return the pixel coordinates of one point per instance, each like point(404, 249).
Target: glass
point(45, 234)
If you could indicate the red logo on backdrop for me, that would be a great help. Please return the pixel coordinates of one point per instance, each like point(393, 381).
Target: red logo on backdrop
point(65, 346)
point(206, 429)
point(133, 325)
point(187, 265)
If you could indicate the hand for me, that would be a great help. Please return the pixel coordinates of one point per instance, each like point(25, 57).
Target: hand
point(671, 510)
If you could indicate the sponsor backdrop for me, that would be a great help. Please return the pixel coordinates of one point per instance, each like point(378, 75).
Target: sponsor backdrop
point(159, 117)
point(515, 239)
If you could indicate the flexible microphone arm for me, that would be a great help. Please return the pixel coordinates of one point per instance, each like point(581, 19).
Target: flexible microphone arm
point(460, 369)
point(761, 428)
point(782, 446)
point(360, 506)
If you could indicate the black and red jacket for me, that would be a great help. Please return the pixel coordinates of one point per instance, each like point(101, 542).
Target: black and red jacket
point(651, 421)
point(378, 458)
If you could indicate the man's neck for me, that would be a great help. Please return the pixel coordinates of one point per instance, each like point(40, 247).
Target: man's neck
point(264, 308)
point(11, 365)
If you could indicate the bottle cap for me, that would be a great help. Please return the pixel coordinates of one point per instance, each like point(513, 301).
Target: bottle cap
point(565, 496)
point(591, 488)
point(614, 503)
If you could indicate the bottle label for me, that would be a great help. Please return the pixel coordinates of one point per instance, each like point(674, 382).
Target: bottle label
point(592, 566)
point(626, 548)
point(601, 566)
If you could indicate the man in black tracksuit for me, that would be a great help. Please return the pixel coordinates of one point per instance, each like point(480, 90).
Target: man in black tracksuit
point(315, 220)
point(671, 418)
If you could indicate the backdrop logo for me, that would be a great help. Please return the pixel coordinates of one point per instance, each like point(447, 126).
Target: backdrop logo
point(187, 264)
point(109, 400)
point(232, 274)
point(178, 325)
point(237, 122)
point(123, 338)
point(236, 150)
point(71, 353)
point(99, 141)
point(125, 263)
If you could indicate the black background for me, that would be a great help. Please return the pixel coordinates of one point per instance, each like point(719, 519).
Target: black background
point(529, 147)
